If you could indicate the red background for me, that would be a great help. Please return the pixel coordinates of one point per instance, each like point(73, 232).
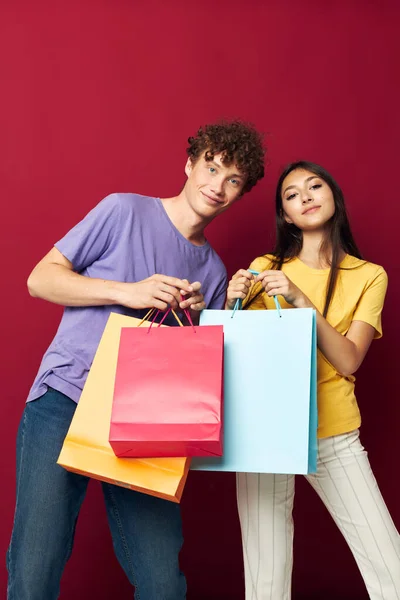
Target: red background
point(100, 96)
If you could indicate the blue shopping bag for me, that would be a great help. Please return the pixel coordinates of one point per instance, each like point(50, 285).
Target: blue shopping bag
point(270, 391)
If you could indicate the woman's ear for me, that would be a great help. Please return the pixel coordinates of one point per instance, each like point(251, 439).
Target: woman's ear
point(286, 218)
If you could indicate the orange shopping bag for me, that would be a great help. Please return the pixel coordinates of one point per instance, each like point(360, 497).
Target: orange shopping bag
point(86, 449)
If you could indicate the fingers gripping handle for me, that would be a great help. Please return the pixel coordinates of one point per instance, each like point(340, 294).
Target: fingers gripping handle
point(239, 302)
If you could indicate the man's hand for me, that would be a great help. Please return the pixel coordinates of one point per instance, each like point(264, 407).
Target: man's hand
point(157, 291)
point(193, 300)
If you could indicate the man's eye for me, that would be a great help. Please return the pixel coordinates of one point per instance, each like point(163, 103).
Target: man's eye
point(234, 181)
point(212, 170)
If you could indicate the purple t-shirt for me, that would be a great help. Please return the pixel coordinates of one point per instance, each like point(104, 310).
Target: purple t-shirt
point(127, 238)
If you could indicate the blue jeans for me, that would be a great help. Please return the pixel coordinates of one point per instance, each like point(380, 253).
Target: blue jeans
point(146, 531)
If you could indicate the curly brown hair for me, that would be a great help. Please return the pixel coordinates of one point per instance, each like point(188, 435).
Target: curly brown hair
point(238, 142)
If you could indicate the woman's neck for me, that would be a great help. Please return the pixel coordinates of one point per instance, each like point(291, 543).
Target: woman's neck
point(315, 253)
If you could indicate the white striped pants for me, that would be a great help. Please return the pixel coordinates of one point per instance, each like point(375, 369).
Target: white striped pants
point(345, 483)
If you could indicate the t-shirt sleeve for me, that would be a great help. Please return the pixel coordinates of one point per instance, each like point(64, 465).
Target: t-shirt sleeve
point(370, 305)
point(217, 302)
point(90, 238)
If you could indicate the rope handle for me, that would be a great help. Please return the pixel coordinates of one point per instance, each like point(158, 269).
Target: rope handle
point(239, 302)
point(151, 314)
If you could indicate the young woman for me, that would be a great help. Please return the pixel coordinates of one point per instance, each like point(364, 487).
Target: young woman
point(317, 264)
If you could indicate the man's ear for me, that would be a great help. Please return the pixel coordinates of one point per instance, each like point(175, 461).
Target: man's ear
point(188, 166)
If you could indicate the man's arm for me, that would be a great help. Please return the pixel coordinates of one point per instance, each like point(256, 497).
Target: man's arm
point(54, 279)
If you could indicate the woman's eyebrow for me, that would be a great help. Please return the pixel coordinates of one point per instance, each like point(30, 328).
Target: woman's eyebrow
point(289, 187)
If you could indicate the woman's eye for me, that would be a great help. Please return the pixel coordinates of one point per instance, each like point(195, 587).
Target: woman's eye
point(290, 197)
point(316, 186)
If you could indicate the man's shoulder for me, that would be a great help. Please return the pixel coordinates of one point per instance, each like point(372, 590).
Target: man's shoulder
point(128, 201)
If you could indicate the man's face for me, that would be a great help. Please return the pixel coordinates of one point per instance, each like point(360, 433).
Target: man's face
point(211, 186)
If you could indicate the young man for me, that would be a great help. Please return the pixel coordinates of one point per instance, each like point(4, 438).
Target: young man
point(130, 253)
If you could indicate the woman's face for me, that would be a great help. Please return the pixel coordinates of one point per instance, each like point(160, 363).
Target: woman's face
point(307, 200)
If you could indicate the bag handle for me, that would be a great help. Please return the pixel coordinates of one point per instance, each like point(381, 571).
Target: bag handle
point(151, 312)
point(186, 313)
point(239, 302)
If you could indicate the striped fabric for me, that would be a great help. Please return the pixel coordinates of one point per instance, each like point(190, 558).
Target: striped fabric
point(346, 485)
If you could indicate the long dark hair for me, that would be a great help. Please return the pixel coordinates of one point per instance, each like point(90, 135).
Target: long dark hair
point(339, 238)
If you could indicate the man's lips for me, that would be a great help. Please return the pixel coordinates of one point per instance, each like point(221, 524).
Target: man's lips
point(212, 199)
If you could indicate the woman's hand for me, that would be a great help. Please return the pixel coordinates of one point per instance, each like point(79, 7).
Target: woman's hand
point(238, 287)
point(276, 283)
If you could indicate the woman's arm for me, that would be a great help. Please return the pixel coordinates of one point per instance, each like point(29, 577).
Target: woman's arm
point(345, 353)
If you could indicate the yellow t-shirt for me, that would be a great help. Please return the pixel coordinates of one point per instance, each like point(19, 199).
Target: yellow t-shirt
point(359, 296)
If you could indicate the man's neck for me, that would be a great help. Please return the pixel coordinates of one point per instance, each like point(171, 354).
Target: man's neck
point(190, 225)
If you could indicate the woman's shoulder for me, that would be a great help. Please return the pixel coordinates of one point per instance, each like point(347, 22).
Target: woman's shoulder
point(364, 268)
point(262, 263)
